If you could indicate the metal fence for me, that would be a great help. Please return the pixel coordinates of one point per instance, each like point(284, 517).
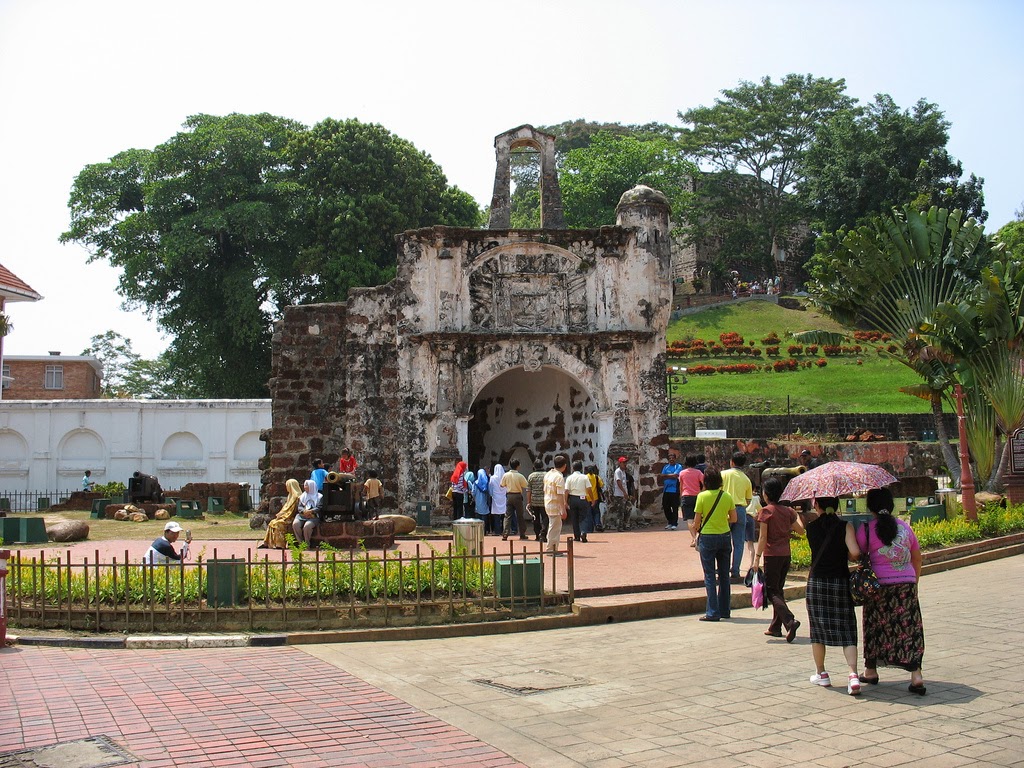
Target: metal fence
point(287, 590)
point(40, 501)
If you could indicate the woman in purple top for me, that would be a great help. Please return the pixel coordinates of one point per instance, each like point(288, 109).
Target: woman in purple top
point(893, 628)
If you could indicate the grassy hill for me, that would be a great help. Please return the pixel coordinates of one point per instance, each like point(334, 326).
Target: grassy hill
point(842, 385)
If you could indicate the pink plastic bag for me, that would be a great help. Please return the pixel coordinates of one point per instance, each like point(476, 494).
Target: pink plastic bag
point(757, 597)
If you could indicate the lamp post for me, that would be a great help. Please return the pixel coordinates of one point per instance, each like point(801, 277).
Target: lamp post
point(966, 477)
point(674, 376)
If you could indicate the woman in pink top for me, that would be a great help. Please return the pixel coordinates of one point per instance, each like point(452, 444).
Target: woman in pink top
point(893, 629)
point(691, 483)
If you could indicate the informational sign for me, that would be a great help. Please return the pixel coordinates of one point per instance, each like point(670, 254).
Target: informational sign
point(1017, 452)
point(712, 433)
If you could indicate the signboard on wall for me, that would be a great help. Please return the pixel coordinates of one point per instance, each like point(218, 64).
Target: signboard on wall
point(1017, 452)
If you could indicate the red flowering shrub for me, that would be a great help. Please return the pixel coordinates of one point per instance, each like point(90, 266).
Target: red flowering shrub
point(821, 362)
point(731, 339)
point(784, 365)
point(812, 349)
point(892, 349)
point(794, 350)
point(871, 336)
point(832, 349)
point(771, 351)
point(755, 352)
point(737, 368)
point(771, 338)
point(717, 349)
point(701, 370)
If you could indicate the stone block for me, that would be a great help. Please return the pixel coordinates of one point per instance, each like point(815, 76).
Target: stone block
point(68, 530)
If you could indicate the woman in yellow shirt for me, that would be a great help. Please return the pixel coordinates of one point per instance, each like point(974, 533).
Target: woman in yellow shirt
point(714, 512)
point(595, 494)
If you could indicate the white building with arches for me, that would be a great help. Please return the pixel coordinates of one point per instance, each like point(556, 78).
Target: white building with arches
point(490, 344)
point(48, 444)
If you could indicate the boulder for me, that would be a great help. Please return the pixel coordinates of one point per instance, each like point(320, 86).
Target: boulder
point(984, 498)
point(138, 517)
point(120, 514)
point(403, 523)
point(68, 530)
point(161, 514)
point(259, 521)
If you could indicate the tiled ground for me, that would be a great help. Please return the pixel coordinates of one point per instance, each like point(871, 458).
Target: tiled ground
point(223, 707)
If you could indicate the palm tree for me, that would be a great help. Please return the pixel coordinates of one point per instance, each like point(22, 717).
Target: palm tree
point(890, 275)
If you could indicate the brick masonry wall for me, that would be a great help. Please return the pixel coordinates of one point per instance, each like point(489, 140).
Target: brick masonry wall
point(29, 379)
point(839, 425)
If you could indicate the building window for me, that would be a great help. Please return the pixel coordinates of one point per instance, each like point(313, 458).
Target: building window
point(6, 376)
point(54, 377)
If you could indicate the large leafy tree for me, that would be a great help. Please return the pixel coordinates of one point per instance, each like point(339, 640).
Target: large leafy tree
point(595, 176)
point(360, 185)
point(234, 217)
point(754, 140)
point(867, 160)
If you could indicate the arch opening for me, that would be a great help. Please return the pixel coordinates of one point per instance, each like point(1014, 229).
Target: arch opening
point(532, 416)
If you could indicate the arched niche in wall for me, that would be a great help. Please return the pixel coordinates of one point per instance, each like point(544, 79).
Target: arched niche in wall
point(13, 447)
point(248, 447)
point(182, 447)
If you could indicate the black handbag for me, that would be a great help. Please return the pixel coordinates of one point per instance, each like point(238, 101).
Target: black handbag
point(864, 585)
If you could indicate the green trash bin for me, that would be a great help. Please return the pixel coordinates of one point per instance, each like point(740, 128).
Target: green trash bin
point(5, 504)
point(518, 578)
point(43, 503)
point(223, 579)
point(423, 511)
point(215, 505)
point(187, 509)
point(99, 507)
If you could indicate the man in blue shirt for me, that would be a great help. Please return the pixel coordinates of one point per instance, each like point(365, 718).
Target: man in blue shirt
point(670, 496)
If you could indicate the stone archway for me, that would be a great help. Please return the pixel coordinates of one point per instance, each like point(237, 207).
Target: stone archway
point(533, 415)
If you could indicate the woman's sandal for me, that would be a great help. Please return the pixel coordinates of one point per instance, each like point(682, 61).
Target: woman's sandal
point(869, 680)
point(920, 690)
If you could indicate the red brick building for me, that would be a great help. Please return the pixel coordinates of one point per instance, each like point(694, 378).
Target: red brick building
point(51, 377)
point(12, 288)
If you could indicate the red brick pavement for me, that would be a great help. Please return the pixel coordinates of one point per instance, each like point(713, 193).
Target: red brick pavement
point(217, 708)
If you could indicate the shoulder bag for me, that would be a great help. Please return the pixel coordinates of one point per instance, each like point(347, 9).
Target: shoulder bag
point(864, 585)
point(709, 514)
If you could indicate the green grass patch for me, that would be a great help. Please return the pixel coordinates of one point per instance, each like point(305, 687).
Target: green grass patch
point(842, 386)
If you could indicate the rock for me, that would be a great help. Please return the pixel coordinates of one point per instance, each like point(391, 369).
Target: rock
point(138, 517)
point(68, 530)
point(403, 523)
point(161, 514)
point(129, 508)
point(258, 522)
point(120, 514)
point(984, 498)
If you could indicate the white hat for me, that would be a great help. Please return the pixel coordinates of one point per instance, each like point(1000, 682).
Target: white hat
point(172, 526)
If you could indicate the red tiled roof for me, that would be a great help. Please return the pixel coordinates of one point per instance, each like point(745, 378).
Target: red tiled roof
point(13, 288)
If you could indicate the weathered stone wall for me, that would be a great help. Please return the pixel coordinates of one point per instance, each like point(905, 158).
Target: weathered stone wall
point(488, 344)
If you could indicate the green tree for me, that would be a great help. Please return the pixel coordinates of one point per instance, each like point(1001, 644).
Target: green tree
point(127, 375)
point(891, 275)
point(595, 176)
point(360, 186)
point(235, 217)
point(202, 227)
point(755, 139)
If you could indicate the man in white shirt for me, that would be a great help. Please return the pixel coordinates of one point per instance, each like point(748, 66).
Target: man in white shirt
point(620, 497)
point(576, 486)
point(555, 504)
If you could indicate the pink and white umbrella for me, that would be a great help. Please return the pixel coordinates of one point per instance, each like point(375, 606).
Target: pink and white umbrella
point(837, 478)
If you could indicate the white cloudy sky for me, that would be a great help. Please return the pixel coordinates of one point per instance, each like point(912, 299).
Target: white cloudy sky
point(83, 80)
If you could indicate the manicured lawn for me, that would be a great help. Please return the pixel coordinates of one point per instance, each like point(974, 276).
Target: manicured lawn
point(841, 386)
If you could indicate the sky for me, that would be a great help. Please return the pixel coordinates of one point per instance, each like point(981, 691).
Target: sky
point(82, 81)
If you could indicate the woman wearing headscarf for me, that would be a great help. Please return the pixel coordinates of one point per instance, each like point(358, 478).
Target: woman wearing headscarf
point(498, 500)
point(277, 529)
point(307, 518)
point(459, 490)
point(469, 504)
point(480, 498)
point(893, 628)
point(829, 605)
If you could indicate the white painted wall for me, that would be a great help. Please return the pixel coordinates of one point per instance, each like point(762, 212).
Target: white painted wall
point(48, 444)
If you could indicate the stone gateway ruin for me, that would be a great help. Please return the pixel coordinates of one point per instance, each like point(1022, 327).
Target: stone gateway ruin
point(489, 344)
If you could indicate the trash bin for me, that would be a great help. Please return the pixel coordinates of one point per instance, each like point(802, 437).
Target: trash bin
point(5, 504)
point(468, 534)
point(423, 510)
point(99, 507)
point(222, 579)
point(187, 509)
point(42, 503)
point(518, 578)
point(215, 505)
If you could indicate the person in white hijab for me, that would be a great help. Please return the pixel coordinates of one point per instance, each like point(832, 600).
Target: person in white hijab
point(307, 517)
point(498, 500)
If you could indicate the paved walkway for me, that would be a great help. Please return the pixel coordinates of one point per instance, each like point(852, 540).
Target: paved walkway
point(659, 693)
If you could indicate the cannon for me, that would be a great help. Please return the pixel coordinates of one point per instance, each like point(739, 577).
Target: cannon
point(341, 498)
point(143, 488)
point(784, 474)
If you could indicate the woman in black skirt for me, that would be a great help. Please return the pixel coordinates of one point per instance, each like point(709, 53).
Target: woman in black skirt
point(829, 605)
point(893, 629)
